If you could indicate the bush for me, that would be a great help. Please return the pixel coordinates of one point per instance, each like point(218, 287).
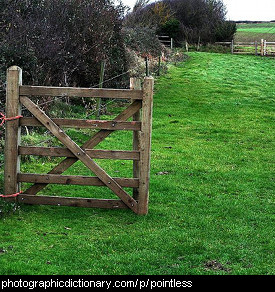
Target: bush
point(171, 28)
point(225, 31)
point(62, 42)
point(143, 41)
point(178, 56)
point(212, 48)
point(138, 66)
point(141, 28)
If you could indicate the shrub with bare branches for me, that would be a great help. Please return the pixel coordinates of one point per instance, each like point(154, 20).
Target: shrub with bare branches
point(62, 42)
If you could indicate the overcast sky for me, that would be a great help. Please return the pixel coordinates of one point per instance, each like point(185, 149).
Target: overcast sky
point(242, 9)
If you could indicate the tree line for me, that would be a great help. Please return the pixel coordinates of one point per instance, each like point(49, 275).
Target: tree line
point(184, 20)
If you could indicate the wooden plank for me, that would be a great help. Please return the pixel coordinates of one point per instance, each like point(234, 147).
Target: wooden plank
point(145, 145)
point(86, 124)
point(73, 180)
point(135, 83)
point(223, 43)
point(244, 43)
point(26, 90)
point(13, 131)
point(63, 152)
point(80, 153)
point(71, 202)
point(244, 53)
point(93, 142)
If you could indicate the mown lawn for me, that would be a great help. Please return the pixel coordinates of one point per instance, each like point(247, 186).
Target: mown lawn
point(212, 186)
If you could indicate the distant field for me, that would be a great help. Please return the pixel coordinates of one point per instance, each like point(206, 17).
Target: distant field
point(255, 31)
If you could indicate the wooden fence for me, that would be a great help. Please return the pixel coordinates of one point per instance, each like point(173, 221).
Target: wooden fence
point(270, 48)
point(166, 41)
point(141, 111)
point(263, 48)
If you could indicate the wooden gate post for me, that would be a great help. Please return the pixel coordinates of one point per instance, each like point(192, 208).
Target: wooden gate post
point(145, 145)
point(232, 47)
point(13, 133)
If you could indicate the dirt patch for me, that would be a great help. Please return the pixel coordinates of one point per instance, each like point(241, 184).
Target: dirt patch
point(214, 265)
point(162, 173)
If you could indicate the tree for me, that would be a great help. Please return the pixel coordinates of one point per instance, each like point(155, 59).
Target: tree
point(200, 19)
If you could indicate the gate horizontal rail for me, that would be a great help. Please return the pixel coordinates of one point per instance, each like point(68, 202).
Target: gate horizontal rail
point(64, 152)
point(85, 124)
point(80, 92)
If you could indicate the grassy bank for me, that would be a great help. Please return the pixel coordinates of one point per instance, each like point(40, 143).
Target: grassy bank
point(212, 190)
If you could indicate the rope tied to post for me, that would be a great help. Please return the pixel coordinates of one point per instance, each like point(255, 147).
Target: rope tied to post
point(4, 118)
point(11, 196)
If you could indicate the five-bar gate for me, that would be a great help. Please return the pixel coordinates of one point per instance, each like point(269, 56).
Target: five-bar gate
point(140, 110)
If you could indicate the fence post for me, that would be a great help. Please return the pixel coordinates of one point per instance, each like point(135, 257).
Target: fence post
point(135, 83)
point(147, 66)
point(145, 145)
point(101, 77)
point(13, 132)
point(159, 65)
point(232, 47)
point(262, 47)
point(256, 48)
point(265, 51)
point(199, 43)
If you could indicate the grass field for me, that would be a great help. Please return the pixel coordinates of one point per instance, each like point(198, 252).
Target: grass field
point(247, 32)
point(212, 186)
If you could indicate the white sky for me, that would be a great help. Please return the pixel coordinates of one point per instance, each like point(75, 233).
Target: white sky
point(242, 9)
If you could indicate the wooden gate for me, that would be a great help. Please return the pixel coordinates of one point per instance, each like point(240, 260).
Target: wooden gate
point(141, 125)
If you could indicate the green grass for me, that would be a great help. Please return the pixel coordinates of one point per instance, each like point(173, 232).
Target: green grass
point(247, 32)
point(211, 213)
point(264, 27)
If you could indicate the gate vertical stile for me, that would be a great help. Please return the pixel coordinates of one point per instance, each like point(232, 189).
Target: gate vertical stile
point(145, 145)
point(13, 132)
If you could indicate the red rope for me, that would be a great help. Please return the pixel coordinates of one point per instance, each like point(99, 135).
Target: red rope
point(11, 196)
point(4, 118)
